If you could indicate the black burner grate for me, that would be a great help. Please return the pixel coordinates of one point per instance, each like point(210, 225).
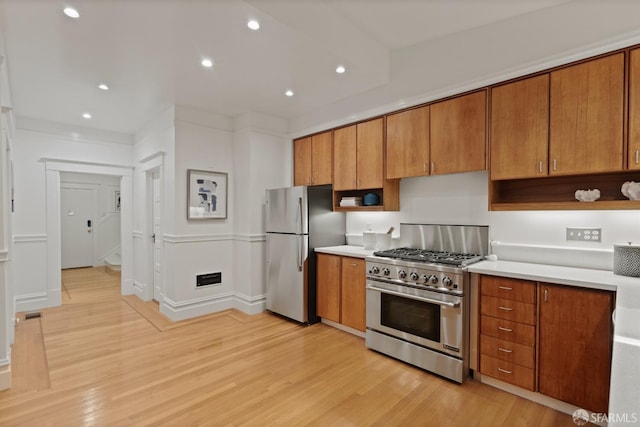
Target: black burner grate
point(427, 255)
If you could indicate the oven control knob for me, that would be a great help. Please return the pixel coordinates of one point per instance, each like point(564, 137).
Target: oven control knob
point(386, 271)
point(414, 276)
point(402, 274)
point(446, 281)
point(375, 270)
point(433, 279)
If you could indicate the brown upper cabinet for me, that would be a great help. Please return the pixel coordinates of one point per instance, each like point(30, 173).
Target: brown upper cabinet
point(358, 156)
point(567, 122)
point(313, 159)
point(520, 129)
point(633, 161)
point(587, 109)
point(408, 143)
point(458, 129)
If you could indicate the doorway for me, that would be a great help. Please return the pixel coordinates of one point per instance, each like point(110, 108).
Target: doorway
point(124, 174)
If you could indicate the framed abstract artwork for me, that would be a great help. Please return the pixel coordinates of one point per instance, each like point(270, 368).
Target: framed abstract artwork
point(206, 195)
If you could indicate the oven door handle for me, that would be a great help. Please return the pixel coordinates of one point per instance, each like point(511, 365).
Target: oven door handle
point(415, 297)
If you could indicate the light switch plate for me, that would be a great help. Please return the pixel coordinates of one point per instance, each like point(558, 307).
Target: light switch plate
point(581, 234)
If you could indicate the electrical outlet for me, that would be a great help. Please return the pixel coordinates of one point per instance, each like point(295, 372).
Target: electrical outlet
point(584, 234)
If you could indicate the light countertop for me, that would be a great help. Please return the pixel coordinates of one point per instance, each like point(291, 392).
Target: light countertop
point(624, 396)
point(346, 250)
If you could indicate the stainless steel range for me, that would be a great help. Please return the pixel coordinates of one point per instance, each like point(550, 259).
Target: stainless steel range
point(417, 296)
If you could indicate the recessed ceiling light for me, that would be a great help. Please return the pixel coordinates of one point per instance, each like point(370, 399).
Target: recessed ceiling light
point(71, 12)
point(340, 69)
point(253, 24)
point(103, 86)
point(289, 92)
point(86, 116)
point(207, 63)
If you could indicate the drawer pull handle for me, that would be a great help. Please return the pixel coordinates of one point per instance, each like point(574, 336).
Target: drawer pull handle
point(504, 350)
point(504, 329)
point(505, 308)
point(504, 371)
point(505, 288)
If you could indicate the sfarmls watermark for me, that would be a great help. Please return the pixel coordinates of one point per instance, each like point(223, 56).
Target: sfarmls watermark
point(581, 417)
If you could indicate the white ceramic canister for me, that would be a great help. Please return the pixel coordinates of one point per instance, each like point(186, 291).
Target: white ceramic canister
point(369, 238)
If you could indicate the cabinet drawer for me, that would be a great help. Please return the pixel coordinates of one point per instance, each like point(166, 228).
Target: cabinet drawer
point(512, 289)
point(508, 309)
point(509, 331)
point(508, 351)
point(507, 372)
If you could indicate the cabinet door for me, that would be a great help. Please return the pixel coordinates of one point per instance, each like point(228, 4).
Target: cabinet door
point(344, 158)
point(520, 129)
point(321, 158)
point(353, 293)
point(575, 344)
point(328, 287)
point(458, 128)
point(587, 117)
point(634, 110)
point(408, 143)
point(369, 167)
point(302, 161)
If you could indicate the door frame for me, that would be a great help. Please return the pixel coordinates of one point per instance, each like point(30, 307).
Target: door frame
point(94, 214)
point(150, 220)
point(150, 165)
point(53, 168)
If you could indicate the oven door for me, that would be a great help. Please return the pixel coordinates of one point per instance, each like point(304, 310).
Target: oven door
point(430, 319)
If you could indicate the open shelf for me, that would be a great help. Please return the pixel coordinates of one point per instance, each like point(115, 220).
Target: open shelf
point(389, 198)
point(558, 192)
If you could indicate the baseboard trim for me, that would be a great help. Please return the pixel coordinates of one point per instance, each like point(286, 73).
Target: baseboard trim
point(34, 301)
point(182, 310)
point(250, 305)
point(5, 377)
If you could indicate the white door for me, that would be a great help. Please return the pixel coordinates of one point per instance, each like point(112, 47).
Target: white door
point(76, 217)
point(157, 239)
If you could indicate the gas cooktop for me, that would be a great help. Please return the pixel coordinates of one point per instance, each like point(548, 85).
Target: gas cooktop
point(426, 255)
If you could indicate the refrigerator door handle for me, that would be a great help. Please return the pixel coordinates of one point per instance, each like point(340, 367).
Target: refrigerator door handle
point(300, 252)
point(300, 208)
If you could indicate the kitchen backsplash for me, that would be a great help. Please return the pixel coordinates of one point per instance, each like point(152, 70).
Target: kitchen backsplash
point(533, 236)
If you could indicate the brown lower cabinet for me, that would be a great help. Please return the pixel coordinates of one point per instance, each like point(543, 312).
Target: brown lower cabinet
point(341, 290)
point(553, 339)
point(575, 343)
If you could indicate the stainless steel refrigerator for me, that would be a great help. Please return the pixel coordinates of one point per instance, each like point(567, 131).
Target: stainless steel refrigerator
point(298, 220)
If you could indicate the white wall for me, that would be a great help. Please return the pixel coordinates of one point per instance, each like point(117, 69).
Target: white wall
point(253, 150)
point(106, 224)
point(203, 141)
point(29, 226)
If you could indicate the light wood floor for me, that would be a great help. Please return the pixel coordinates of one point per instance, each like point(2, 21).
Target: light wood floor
point(96, 361)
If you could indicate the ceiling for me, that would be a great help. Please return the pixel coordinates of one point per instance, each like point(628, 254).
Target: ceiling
point(149, 51)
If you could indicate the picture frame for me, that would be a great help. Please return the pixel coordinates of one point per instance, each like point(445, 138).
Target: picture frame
point(206, 195)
